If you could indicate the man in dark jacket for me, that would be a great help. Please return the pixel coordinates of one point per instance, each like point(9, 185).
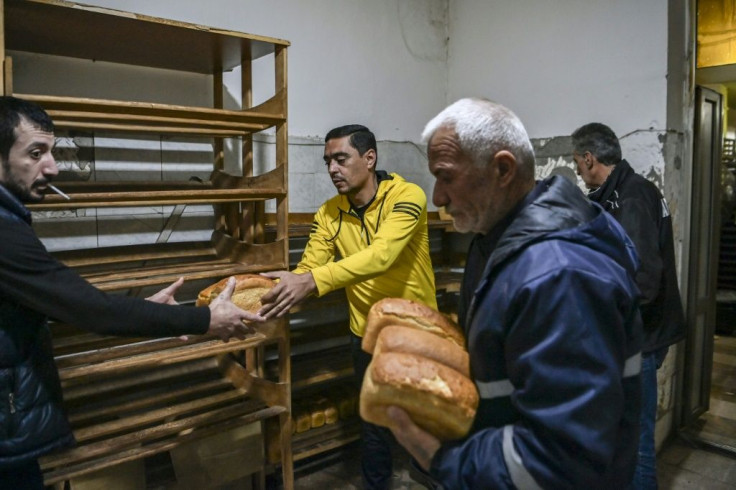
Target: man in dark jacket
point(550, 313)
point(34, 287)
point(638, 205)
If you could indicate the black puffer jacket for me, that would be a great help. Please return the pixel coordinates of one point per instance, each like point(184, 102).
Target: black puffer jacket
point(33, 287)
point(32, 419)
point(638, 205)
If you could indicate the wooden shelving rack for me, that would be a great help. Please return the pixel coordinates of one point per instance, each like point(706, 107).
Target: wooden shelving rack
point(131, 398)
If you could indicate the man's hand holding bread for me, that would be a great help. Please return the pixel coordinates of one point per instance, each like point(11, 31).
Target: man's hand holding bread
point(290, 290)
point(418, 383)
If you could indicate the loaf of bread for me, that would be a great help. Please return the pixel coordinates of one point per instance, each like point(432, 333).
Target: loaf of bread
point(404, 312)
point(346, 402)
point(422, 343)
point(437, 398)
point(318, 417)
point(249, 288)
point(331, 412)
point(302, 419)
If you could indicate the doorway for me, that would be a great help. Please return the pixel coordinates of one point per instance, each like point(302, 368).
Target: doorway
point(709, 388)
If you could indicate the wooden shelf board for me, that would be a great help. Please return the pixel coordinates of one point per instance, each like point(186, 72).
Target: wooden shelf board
point(135, 266)
point(316, 441)
point(45, 26)
point(106, 453)
point(268, 113)
point(120, 360)
point(156, 198)
point(319, 367)
point(182, 252)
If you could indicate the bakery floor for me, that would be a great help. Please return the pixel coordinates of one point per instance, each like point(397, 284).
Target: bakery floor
point(680, 466)
point(340, 469)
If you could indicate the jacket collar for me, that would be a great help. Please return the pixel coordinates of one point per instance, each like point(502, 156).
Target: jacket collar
point(13, 205)
point(555, 204)
point(558, 209)
point(385, 182)
point(605, 192)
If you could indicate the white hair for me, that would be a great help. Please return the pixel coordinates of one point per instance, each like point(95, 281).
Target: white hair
point(483, 129)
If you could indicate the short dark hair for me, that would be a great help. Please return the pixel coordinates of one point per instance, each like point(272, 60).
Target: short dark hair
point(12, 110)
point(361, 138)
point(599, 140)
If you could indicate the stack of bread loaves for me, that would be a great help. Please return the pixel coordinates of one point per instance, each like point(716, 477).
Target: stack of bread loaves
point(419, 364)
point(247, 293)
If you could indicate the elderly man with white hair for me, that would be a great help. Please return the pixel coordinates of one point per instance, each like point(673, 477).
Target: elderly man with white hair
point(550, 311)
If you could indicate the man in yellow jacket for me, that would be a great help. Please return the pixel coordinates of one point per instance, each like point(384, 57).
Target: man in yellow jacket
point(377, 227)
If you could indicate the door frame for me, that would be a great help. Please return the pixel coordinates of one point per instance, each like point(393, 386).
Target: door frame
point(703, 257)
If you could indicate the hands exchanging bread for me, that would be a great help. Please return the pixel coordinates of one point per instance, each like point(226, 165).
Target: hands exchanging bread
point(166, 295)
point(226, 319)
point(234, 302)
point(290, 290)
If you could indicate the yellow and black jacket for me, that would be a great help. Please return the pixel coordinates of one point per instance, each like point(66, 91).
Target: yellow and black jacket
point(384, 254)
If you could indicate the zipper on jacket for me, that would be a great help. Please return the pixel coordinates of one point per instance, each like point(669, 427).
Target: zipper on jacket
point(11, 395)
point(363, 230)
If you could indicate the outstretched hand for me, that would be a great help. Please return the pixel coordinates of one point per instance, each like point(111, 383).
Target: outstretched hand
point(291, 289)
point(226, 319)
point(419, 443)
point(166, 295)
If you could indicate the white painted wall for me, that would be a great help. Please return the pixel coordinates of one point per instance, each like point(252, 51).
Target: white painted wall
point(561, 64)
point(381, 63)
point(388, 64)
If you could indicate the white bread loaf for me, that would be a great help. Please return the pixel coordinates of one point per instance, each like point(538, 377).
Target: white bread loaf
point(422, 343)
point(249, 288)
point(438, 399)
point(404, 312)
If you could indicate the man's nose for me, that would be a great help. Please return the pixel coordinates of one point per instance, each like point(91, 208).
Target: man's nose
point(439, 198)
point(50, 167)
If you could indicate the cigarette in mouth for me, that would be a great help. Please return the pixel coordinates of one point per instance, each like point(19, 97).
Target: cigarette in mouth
point(53, 188)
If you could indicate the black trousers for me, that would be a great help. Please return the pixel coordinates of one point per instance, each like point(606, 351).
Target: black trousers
point(376, 441)
point(24, 477)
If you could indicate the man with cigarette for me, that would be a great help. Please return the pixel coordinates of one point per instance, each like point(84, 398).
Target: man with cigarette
point(550, 312)
point(34, 286)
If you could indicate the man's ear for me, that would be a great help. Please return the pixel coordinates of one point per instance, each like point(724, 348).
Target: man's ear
point(370, 158)
point(506, 166)
point(589, 160)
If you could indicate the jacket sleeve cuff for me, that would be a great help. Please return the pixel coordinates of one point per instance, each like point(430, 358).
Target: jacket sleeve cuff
point(322, 279)
point(435, 466)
